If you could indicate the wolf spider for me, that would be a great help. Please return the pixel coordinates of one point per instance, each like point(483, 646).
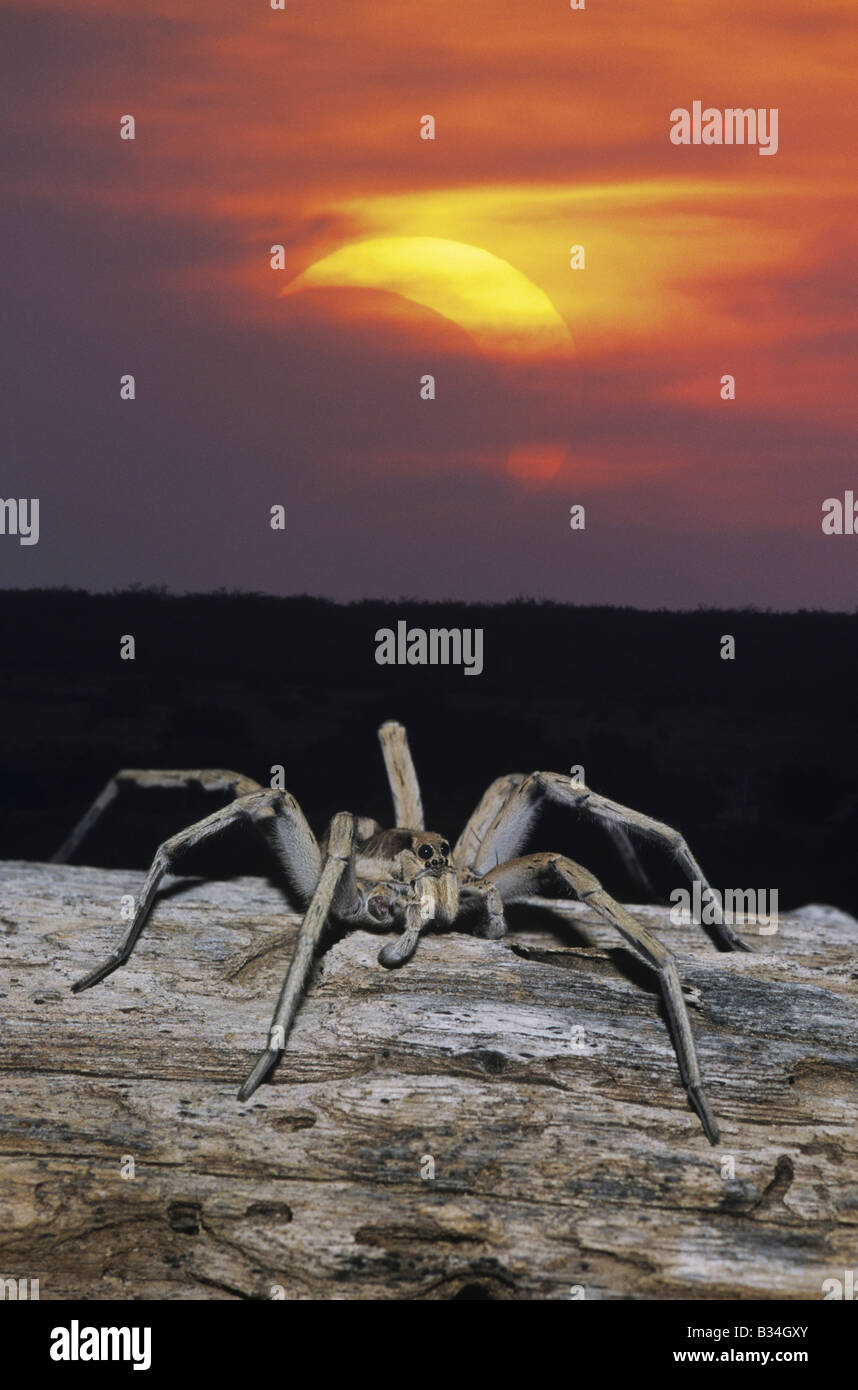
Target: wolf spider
point(408, 878)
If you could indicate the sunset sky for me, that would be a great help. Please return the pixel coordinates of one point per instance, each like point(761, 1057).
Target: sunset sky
point(554, 386)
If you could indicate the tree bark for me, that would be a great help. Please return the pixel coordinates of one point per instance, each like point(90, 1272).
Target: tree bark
point(498, 1119)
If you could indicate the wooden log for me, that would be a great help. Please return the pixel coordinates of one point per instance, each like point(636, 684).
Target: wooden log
point(495, 1120)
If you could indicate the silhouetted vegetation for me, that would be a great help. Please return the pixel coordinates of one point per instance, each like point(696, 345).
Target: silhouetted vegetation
point(755, 760)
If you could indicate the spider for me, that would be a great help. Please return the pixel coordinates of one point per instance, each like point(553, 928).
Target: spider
point(408, 878)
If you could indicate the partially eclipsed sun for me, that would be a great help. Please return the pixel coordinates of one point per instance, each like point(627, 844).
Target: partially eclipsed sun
point(487, 297)
point(503, 312)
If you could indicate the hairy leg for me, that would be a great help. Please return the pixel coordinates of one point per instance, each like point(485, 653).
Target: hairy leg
point(469, 852)
point(491, 923)
point(210, 779)
point(521, 878)
point(506, 835)
point(338, 862)
point(493, 800)
point(269, 809)
point(402, 776)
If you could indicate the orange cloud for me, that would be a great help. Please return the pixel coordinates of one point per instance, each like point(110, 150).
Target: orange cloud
point(301, 127)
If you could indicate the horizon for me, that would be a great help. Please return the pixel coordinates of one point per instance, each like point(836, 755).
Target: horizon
point(532, 600)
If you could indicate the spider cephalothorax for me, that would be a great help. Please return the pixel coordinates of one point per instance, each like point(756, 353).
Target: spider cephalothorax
point(402, 878)
point(408, 878)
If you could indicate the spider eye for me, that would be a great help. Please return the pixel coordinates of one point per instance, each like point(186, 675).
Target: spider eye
point(425, 851)
point(445, 848)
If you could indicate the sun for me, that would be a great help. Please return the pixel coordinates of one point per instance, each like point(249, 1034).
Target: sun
point(503, 311)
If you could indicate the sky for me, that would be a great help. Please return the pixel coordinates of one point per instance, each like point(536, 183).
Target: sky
point(555, 387)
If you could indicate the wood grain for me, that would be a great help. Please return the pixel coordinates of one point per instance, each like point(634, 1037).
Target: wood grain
point(536, 1073)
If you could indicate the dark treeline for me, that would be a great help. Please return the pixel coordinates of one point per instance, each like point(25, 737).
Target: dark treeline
point(755, 759)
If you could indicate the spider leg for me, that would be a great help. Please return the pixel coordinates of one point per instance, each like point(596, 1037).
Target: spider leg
point(467, 853)
point(264, 808)
point(418, 914)
point(492, 802)
point(522, 878)
point(629, 855)
point(337, 860)
point(506, 835)
point(210, 779)
point(492, 925)
point(402, 776)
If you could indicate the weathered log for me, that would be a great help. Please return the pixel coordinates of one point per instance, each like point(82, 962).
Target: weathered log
point(497, 1119)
